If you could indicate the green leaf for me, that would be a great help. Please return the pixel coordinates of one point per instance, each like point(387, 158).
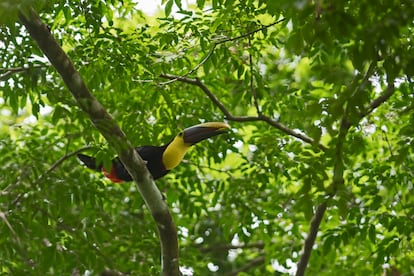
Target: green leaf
point(342, 207)
point(178, 3)
point(200, 4)
point(372, 233)
point(168, 7)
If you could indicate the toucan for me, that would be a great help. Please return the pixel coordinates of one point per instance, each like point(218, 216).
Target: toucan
point(160, 159)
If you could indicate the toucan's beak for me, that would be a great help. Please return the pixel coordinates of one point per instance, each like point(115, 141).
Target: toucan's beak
point(197, 133)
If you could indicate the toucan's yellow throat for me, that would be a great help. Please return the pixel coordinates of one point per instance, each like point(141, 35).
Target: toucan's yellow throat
point(178, 147)
point(174, 153)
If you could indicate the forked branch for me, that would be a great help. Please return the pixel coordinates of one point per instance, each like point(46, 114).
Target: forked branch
point(339, 167)
point(229, 116)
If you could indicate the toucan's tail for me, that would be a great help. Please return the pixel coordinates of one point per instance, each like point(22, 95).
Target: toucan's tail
point(90, 162)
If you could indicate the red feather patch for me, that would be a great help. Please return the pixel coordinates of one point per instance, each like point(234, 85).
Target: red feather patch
point(112, 175)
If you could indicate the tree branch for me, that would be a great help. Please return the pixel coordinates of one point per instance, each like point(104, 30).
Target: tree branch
point(231, 117)
point(114, 136)
point(337, 180)
point(310, 239)
point(389, 91)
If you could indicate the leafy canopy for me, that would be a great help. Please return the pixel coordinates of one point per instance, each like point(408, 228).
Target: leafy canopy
point(320, 98)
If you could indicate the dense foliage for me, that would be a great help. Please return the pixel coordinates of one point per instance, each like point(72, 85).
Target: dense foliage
point(320, 98)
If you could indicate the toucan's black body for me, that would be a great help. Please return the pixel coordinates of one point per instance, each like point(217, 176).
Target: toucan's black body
point(152, 155)
point(159, 159)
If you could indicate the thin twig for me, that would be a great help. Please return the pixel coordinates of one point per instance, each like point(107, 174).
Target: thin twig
point(19, 248)
point(213, 48)
point(251, 32)
point(207, 57)
point(225, 247)
point(365, 80)
point(61, 160)
point(384, 134)
point(6, 75)
point(252, 89)
point(14, 70)
point(255, 262)
point(229, 116)
point(3, 217)
point(52, 168)
point(199, 166)
point(23, 68)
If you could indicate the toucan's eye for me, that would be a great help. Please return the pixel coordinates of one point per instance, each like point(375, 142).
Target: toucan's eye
point(181, 134)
